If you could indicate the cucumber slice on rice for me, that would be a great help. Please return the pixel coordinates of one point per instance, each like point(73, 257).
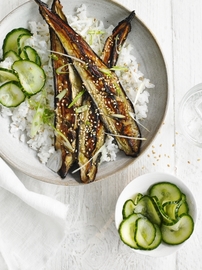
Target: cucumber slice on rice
point(31, 76)
point(11, 94)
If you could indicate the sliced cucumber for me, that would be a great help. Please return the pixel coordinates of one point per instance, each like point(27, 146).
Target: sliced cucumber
point(183, 209)
point(31, 76)
point(157, 239)
point(176, 209)
point(179, 232)
point(145, 233)
point(165, 192)
point(171, 209)
point(23, 55)
point(13, 55)
point(21, 41)
point(127, 230)
point(128, 208)
point(11, 94)
point(7, 75)
point(26, 69)
point(167, 219)
point(32, 55)
point(148, 236)
point(146, 207)
point(10, 42)
point(137, 198)
point(160, 215)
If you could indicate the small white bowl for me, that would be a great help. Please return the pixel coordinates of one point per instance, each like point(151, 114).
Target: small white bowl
point(141, 185)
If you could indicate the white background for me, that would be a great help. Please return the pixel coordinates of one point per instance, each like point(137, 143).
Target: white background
point(93, 242)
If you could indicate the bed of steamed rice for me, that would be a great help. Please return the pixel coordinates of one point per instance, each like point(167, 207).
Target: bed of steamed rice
point(95, 34)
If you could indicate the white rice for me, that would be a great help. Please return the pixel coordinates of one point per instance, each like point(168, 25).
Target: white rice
point(133, 80)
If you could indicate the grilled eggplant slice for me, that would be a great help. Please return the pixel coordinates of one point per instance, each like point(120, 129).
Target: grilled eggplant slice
point(115, 41)
point(57, 8)
point(91, 137)
point(87, 159)
point(65, 90)
point(91, 130)
point(115, 108)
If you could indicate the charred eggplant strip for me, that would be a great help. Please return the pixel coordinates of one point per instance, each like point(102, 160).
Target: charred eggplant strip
point(87, 144)
point(116, 40)
point(65, 118)
point(91, 137)
point(57, 8)
point(91, 130)
point(104, 87)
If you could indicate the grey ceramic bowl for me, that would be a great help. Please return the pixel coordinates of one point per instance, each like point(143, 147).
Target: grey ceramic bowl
point(147, 53)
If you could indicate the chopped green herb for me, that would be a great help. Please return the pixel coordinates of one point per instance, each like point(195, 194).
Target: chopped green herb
point(61, 94)
point(76, 98)
point(59, 70)
point(82, 109)
point(54, 57)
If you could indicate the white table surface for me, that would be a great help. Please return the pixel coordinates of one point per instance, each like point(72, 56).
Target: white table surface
point(93, 242)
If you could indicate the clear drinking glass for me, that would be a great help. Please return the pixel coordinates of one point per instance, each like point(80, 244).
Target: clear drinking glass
point(190, 115)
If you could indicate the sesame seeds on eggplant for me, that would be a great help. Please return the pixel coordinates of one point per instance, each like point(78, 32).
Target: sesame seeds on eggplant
point(104, 95)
